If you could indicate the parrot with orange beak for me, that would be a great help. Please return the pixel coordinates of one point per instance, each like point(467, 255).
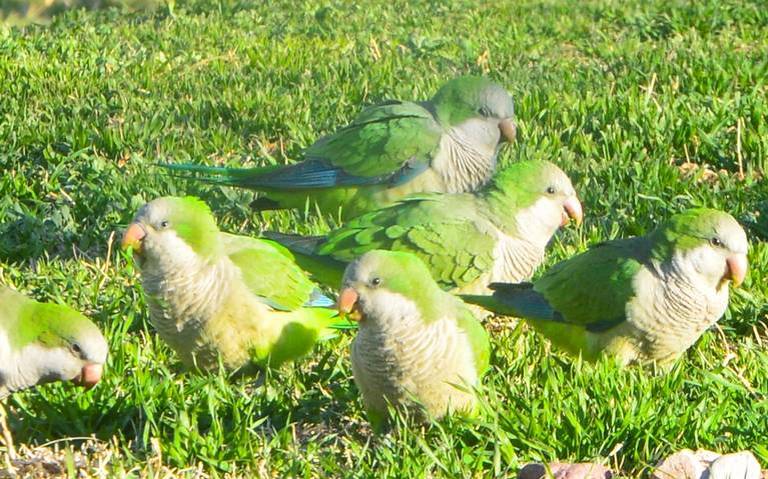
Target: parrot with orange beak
point(448, 144)
point(43, 342)
point(641, 299)
point(218, 298)
point(417, 347)
point(468, 240)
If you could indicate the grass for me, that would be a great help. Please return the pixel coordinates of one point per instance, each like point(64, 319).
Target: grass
point(24, 12)
point(651, 107)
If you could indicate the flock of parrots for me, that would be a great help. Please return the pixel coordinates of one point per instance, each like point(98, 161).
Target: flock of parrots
point(435, 239)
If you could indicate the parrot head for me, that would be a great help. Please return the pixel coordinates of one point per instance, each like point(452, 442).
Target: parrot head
point(172, 226)
point(478, 105)
point(708, 245)
point(389, 285)
point(67, 346)
point(542, 191)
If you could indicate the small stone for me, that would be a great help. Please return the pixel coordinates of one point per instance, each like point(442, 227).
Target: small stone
point(534, 470)
point(684, 464)
point(558, 470)
point(741, 465)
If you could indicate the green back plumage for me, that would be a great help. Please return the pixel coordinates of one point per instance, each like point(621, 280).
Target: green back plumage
point(434, 227)
point(608, 268)
point(269, 271)
point(391, 133)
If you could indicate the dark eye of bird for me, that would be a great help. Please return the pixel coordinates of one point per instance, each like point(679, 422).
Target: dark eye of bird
point(716, 241)
point(483, 111)
point(375, 281)
point(551, 190)
point(76, 348)
point(164, 224)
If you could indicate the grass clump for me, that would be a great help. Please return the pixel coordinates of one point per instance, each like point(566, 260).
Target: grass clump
point(651, 107)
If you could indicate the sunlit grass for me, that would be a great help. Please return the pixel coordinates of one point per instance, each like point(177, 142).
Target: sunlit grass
point(620, 95)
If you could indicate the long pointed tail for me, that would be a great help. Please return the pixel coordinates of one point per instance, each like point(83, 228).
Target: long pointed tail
point(487, 302)
point(219, 175)
point(519, 300)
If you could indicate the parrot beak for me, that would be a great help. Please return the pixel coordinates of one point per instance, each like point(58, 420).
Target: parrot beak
point(736, 268)
point(133, 236)
point(572, 210)
point(89, 375)
point(348, 304)
point(508, 129)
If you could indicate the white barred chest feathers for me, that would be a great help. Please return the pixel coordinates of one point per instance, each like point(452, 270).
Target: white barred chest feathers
point(205, 312)
point(399, 359)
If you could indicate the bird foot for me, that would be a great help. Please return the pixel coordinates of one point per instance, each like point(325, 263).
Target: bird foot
point(7, 439)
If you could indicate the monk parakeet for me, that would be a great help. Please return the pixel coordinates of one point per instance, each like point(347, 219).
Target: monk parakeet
point(417, 347)
point(467, 240)
point(44, 342)
point(447, 144)
point(647, 298)
point(214, 295)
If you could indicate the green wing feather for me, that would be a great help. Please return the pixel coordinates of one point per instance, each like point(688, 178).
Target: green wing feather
point(381, 140)
point(434, 227)
point(269, 271)
point(593, 288)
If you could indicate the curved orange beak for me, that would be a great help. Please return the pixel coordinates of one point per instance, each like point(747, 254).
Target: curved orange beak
point(89, 376)
point(508, 129)
point(133, 236)
point(347, 304)
point(572, 211)
point(736, 268)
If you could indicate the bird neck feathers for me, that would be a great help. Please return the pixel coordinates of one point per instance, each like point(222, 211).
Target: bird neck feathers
point(464, 165)
point(183, 286)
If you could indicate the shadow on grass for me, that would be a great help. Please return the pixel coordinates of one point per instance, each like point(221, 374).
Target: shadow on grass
point(26, 237)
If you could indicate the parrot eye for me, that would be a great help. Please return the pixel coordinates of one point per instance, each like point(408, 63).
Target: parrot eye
point(551, 190)
point(164, 224)
point(375, 282)
point(483, 111)
point(76, 348)
point(716, 242)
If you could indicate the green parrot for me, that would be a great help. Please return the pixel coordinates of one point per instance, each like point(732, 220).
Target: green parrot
point(417, 346)
point(467, 240)
point(447, 144)
point(641, 299)
point(214, 295)
point(43, 342)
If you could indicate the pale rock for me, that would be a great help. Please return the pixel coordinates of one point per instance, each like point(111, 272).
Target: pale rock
point(684, 464)
point(739, 465)
point(557, 470)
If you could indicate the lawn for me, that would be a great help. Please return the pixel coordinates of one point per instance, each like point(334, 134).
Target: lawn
point(650, 106)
